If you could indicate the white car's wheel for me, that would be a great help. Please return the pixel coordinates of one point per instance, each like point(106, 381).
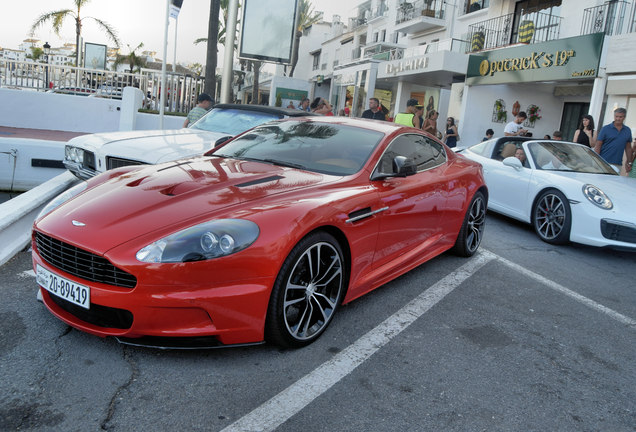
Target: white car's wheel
point(552, 217)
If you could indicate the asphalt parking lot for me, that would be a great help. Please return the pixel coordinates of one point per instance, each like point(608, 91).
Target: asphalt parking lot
point(523, 336)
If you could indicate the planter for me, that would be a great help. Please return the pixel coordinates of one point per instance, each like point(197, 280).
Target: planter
point(526, 31)
point(477, 41)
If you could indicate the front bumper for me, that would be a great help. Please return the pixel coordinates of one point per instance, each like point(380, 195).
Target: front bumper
point(227, 313)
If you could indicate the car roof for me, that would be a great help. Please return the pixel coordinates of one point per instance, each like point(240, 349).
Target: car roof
point(288, 112)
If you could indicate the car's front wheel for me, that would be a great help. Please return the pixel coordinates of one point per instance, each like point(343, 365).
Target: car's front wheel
point(472, 230)
point(552, 217)
point(307, 292)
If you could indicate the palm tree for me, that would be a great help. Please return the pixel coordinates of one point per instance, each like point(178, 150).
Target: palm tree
point(57, 18)
point(209, 86)
point(306, 17)
point(132, 59)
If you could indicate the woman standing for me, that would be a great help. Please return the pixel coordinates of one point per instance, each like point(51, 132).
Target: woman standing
point(430, 124)
point(451, 135)
point(586, 134)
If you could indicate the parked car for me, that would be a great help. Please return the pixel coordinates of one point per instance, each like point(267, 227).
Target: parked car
point(260, 239)
point(88, 155)
point(565, 190)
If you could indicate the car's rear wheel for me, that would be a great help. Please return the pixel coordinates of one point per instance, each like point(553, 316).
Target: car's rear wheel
point(472, 230)
point(307, 292)
point(552, 217)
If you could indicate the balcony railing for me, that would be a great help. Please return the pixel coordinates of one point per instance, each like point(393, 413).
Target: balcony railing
point(420, 8)
point(612, 18)
point(501, 31)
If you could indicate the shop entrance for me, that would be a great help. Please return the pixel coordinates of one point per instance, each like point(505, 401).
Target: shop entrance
point(571, 118)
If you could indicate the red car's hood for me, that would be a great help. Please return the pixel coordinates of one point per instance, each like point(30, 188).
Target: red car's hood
point(168, 197)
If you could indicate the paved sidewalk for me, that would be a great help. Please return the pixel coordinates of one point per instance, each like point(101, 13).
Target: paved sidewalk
point(43, 134)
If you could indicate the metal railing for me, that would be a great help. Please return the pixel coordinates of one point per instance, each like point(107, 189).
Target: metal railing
point(611, 18)
point(101, 83)
point(503, 30)
point(420, 8)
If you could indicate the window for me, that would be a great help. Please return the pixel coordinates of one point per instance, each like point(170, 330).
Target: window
point(316, 64)
point(382, 35)
point(545, 16)
point(425, 152)
point(475, 5)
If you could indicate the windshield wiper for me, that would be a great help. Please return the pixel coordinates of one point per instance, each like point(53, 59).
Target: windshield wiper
point(285, 163)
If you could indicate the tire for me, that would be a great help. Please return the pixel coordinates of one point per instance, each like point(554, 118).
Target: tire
point(552, 217)
point(307, 292)
point(472, 230)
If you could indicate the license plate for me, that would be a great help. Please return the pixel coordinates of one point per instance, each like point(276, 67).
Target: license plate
point(62, 287)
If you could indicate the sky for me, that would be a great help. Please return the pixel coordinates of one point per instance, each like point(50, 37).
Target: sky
point(136, 21)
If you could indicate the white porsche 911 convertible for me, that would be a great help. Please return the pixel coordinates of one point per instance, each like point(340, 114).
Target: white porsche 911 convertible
point(565, 190)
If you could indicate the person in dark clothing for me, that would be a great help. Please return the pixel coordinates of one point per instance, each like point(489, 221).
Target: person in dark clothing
point(374, 112)
point(586, 134)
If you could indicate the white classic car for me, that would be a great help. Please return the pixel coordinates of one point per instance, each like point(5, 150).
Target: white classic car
point(565, 190)
point(88, 155)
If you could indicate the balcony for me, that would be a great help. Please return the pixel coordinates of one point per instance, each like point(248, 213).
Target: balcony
point(504, 30)
point(612, 18)
point(420, 15)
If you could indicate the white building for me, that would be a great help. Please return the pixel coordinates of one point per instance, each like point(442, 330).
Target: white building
point(431, 50)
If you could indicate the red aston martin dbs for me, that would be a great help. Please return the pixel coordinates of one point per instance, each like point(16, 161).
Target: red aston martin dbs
point(261, 239)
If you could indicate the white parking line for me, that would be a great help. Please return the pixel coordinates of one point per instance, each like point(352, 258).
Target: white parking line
point(560, 288)
point(281, 407)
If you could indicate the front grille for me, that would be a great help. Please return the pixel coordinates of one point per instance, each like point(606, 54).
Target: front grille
point(81, 263)
point(617, 231)
point(114, 162)
point(98, 315)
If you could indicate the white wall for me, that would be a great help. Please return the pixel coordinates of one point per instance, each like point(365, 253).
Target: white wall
point(479, 107)
point(43, 110)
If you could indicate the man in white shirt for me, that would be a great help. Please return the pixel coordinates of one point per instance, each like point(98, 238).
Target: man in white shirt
point(514, 128)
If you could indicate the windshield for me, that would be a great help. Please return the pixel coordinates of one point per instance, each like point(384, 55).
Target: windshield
point(563, 156)
point(232, 121)
point(313, 146)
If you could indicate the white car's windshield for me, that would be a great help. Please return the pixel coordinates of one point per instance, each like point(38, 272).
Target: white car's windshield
point(312, 146)
point(563, 156)
point(232, 121)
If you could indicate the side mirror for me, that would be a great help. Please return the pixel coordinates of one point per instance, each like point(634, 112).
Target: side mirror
point(513, 162)
point(222, 140)
point(403, 166)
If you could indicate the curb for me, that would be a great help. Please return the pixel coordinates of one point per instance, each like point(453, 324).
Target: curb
point(19, 213)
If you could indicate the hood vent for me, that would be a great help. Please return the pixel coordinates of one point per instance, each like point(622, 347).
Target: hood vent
point(259, 181)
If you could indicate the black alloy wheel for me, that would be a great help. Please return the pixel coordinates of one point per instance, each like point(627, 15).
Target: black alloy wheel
point(472, 230)
point(307, 292)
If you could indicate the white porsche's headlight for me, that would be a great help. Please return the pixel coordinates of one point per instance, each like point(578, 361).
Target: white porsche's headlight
point(597, 197)
point(74, 154)
point(202, 242)
point(62, 198)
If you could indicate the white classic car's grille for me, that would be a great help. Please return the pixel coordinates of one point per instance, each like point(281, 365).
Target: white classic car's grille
point(114, 162)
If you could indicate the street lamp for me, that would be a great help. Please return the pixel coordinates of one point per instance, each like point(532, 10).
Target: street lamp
point(47, 50)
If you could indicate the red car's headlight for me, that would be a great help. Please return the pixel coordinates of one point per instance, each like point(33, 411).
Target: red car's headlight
point(201, 242)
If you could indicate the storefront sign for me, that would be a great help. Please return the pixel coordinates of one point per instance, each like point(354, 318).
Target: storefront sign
point(563, 59)
point(293, 94)
point(411, 65)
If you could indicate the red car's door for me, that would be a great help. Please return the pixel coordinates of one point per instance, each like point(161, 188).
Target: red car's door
point(413, 205)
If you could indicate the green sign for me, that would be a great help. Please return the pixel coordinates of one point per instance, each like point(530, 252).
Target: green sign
point(292, 94)
point(564, 59)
